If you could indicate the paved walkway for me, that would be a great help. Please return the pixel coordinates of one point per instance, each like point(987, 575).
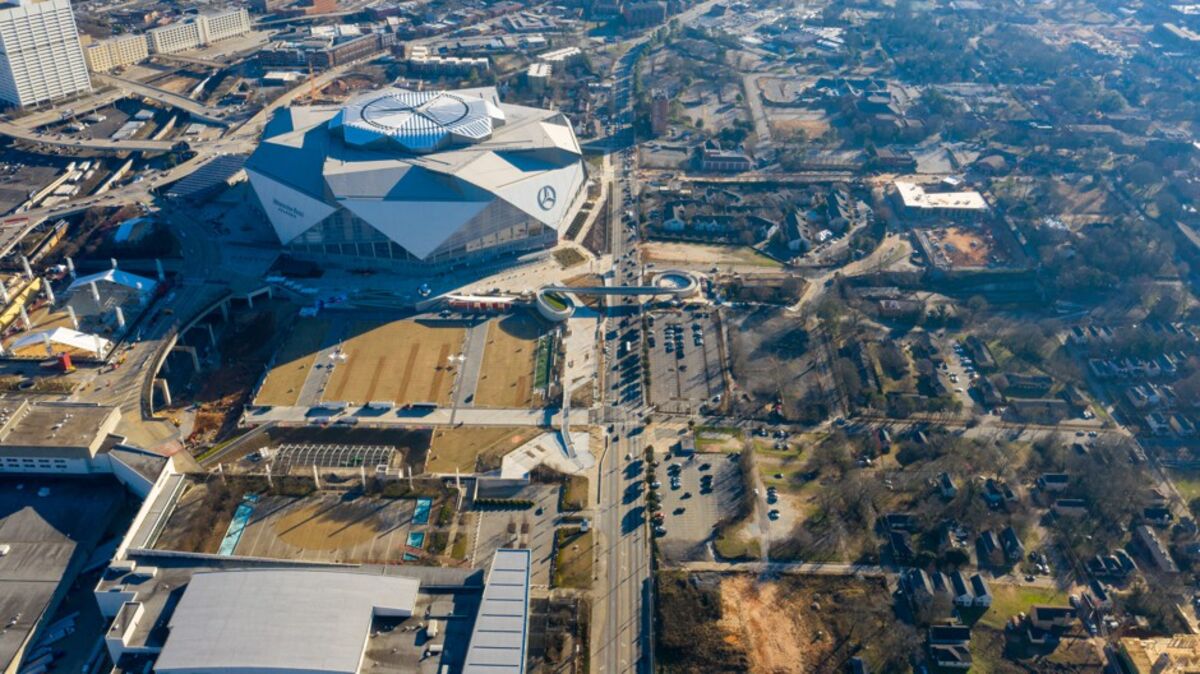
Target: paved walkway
point(473, 349)
point(790, 568)
point(443, 416)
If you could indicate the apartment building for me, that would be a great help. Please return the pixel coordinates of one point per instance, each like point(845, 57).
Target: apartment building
point(117, 52)
point(199, 31)
point(40, 56)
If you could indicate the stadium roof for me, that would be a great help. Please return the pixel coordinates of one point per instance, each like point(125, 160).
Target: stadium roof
point(501, 628)
point(429, 150)
point(281, 620)
point(416, 121)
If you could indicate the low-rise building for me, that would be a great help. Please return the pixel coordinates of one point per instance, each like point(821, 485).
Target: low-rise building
point(199, 31)
point(916, 203)
point(117, 52)
point(724, 161)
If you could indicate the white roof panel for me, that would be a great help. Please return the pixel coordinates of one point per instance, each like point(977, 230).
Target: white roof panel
point(500, 633)
point(279, 620)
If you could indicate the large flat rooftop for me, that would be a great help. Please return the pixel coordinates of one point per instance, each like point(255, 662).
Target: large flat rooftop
point(63, 429)
point(395, 644)
point(50, 534)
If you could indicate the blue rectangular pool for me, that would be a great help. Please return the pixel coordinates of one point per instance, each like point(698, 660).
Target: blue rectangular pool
point(421, 512)
point(241, 517)
point(416, 539)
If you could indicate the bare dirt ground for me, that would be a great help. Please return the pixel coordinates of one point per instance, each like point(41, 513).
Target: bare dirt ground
point(814, 123)
point(402, 361)
point(506, 376)
point(765, 622)
point(965, 247)
point(807, 625)
point(328, 528)
point(704, 256)
point(311, 528)
point(470, 448)
point(293, 362)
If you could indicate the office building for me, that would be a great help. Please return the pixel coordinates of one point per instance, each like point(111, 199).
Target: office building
point(40, 56)
point(199, 31)
point(117, 52)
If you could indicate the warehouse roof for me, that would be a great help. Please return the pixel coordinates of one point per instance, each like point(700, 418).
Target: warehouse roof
point(501, 628)
point(280, 619)
point(915, 196)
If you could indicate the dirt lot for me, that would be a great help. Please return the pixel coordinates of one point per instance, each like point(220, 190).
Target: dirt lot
point(506, 376)
point(401, 361)
point(704, 256)
point(474, 448)
point(964, 247)
point(293, 362)
point(813, 123)
point(774, 359)
point(791, 624)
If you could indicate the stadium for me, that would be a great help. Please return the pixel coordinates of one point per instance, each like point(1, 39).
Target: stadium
point(417, 180)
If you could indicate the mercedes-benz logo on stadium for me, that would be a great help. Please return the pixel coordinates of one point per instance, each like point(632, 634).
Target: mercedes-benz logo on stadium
point(547, 197)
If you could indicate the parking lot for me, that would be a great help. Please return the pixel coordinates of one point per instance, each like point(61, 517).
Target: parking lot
point(961, 375)
point(691, 510)
point(685, 361)
point(532, 528)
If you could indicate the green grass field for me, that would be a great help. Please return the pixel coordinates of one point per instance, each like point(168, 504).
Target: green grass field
point(573, 558)
point(1009, 600)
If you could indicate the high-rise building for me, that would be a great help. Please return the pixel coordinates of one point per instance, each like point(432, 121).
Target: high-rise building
point(199, 31)
point(116, 52)
point(40, 56)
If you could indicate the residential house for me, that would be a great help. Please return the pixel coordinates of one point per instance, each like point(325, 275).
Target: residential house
point(1051, 617)
point(1053, 482)
point(1073, 507)
point(960, 590)
point(1014, 550)
point(900, 547)
point(946, 486)
point(950, 646)
point(990, 551)
point(1154, 548)
point(983, 595)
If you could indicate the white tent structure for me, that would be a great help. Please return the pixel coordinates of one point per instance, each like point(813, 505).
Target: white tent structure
point(62, 339)
point(124, 279)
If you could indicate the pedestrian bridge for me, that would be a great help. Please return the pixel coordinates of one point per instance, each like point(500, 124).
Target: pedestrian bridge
point(555, 303)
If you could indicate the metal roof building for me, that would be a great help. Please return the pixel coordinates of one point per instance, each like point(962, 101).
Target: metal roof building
point(501, 632)
point(301, 621)
point(417, 180)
